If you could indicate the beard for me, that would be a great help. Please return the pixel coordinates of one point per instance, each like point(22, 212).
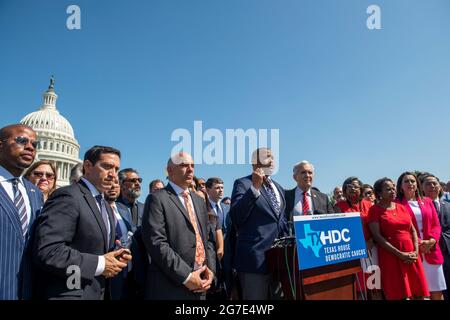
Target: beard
point(134, 193)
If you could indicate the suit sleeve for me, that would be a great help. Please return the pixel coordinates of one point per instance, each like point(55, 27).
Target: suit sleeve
point(242, 203)
point(57, 226)
point(330, 208)
point(155, 240)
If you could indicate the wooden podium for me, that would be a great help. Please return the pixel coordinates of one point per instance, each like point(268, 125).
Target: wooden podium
point(331, 282)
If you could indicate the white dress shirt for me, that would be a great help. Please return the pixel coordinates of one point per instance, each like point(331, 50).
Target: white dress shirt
point(257, 193)
point(6, 183)
point(298, 202)
point(101, 259)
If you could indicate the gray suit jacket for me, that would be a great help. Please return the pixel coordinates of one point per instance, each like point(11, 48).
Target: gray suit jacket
point(170, 240)
point(444, 241)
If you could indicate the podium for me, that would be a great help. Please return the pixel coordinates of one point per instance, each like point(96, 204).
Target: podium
point(331, 282)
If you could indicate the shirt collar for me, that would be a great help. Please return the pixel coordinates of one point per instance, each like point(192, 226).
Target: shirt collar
point(91, 187)
point(213, 204)
point(178, 190)
point(5, 175)
point(300, 191)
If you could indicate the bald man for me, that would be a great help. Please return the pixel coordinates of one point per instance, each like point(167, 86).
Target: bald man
point(20, 204)
point(175, 233)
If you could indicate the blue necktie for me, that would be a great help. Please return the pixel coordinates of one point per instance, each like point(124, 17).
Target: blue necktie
point(272, 196)
point(19, 202)
point(105, 218)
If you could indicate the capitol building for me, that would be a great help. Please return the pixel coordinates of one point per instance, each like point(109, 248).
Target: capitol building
point(58, 143)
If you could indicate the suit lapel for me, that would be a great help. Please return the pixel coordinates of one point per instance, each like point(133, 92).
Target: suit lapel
point(126, 216)
point(11, 211)
point(95, 211)
point(174, 197)
point(314, 200)
point(35, 204)
point(200, 219)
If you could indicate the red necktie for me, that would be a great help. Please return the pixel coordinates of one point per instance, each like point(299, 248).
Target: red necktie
point(305, 204)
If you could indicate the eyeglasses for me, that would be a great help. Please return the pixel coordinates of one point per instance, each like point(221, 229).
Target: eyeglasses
point(40, 174)
point(133, 180)
point(368, 193)
point(25, 141)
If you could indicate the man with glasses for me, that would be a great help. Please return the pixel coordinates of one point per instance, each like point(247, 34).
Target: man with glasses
point(130, 191)
point(20, 204)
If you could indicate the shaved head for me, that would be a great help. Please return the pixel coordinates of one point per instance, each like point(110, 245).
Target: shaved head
point(8, 131)
point(180, 169)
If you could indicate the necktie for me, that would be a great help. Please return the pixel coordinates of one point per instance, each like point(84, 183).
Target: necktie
point(305, 203)
point(199, 249)
point(219, 215)
point(272, 196)
point(105, 218)
point(134, 214)
point(19, 202)
point(119, 233)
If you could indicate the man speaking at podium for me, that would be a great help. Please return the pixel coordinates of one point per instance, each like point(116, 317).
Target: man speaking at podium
point(257, 211)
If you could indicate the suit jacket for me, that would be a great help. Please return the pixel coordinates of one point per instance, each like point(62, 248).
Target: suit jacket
point(170, 240)
point(319, 200)
point(71, 232)
point(444, 219)
point(122, 286)
point(15, 258)
point(140, 209)
point(431, 227)
point(257, 225)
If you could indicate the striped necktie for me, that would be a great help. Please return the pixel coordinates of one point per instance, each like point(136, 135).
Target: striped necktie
point(272, 196)
point(19, 202)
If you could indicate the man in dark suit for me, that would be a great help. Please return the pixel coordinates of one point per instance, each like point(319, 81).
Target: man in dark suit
point(20, 204)
point(75, 233)
point(305, 199)
point(130, 191)
point(175, 233)
point(257, 206)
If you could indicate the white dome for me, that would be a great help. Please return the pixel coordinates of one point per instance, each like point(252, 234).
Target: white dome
point(47, 119)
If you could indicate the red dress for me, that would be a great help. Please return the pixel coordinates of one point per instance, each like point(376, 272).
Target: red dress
point(399, 280)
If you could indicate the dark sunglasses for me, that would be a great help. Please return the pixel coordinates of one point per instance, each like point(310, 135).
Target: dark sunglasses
point(134, 180)
point(40, 174)
point(368, 193)
point(25, 141)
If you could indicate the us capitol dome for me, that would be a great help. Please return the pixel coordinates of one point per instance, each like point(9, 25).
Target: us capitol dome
point(58, 143)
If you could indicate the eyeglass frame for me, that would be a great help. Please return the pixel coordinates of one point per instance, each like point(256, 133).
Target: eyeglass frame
point(25, 141)
point(40, 174)
point(133, 180)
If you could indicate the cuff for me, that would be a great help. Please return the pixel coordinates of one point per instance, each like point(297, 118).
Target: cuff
point(187, 279)
point(255, 191)
point(100, 266)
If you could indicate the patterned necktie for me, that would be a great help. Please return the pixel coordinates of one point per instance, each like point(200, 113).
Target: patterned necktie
point(119, 233)
point(105, 218)
point(272, 196)
point(199, 249)
point(19, 202)
point(305, 203)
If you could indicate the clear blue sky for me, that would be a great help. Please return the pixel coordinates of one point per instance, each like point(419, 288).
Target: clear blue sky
point(351, 100)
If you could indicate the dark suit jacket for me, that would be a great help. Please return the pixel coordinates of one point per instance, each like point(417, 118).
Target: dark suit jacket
point(140, 209)
point(122, 286)
point(170, 241)
point(257, 225)
point(444, 241)
point(320, 202)
point(70, 231)
point(15, 258)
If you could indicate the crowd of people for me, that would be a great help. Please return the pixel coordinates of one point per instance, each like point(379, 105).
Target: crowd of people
point(95, 240)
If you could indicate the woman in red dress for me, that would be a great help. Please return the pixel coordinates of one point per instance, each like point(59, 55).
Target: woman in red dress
point(402, 274)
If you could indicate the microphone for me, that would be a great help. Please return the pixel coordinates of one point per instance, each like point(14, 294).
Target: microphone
point(318, 211)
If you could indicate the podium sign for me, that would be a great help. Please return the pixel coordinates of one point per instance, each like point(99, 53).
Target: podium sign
point(328, 239)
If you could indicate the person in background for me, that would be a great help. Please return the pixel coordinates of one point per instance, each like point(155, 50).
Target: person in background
point(402, 274)
point(368, 193)
point(130, 191)
point(446, 194)
point(338, 195)
point(20, 205)
point(42, 174)
point(76, 173)
point(426, 223)
point(431, 189)
point(355, 202)
point(200, 184)
point(155, 185)
point(227, 201)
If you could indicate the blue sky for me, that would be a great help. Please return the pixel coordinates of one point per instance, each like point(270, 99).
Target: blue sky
point(353, 101)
